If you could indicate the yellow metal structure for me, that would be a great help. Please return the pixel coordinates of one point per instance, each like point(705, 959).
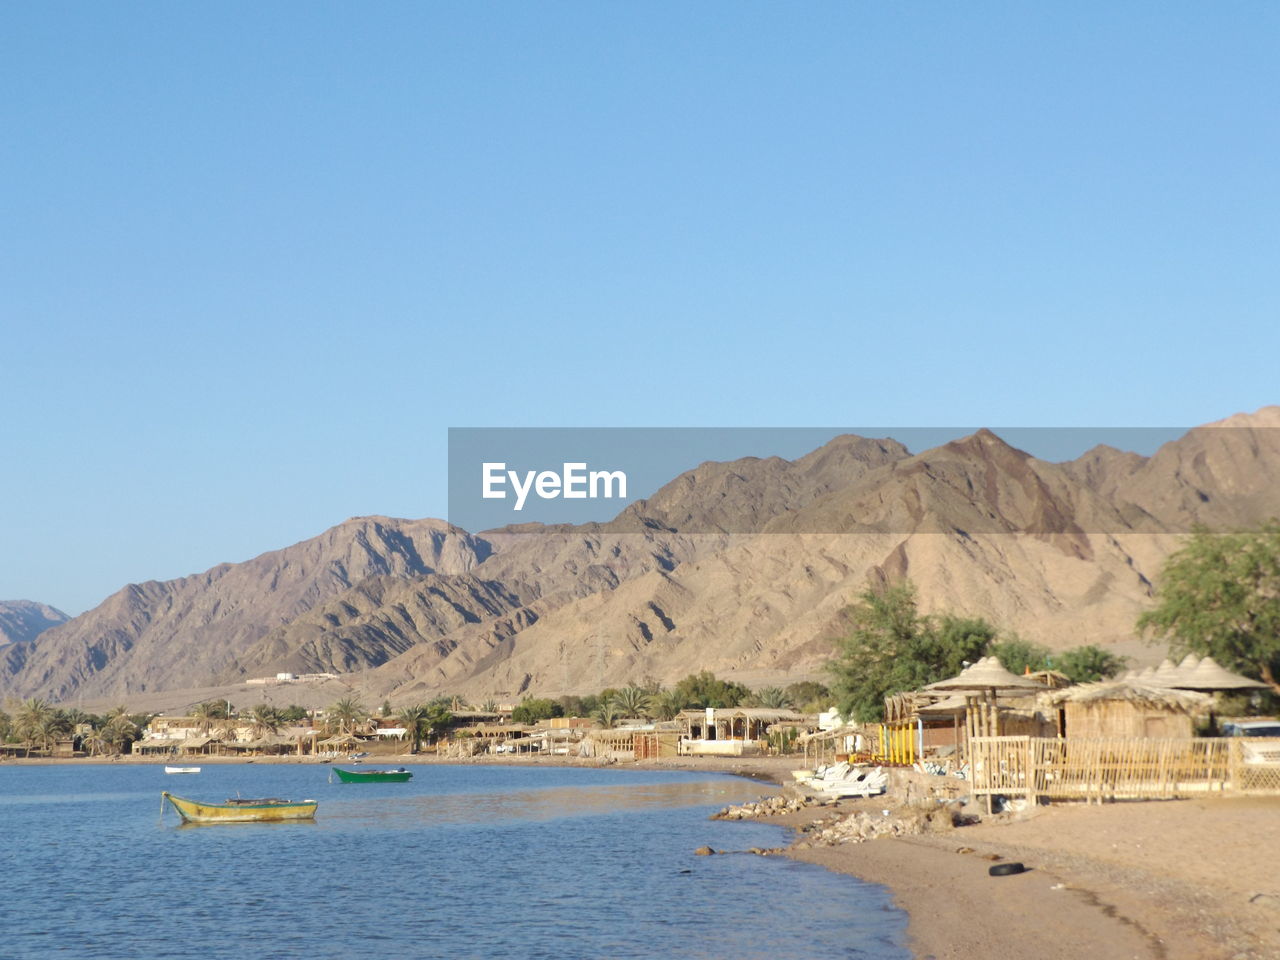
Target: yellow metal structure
point(897, 744)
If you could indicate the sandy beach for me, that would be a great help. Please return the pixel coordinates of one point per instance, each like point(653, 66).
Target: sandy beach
point(1171, 880)
point(1159, 880)
point(1165, 880)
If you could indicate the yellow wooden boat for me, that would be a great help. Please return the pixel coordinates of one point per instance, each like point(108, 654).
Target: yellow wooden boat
point(242, 811)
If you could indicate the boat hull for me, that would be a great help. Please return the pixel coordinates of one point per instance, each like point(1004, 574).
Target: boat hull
point(372, 776)
point(193, 811)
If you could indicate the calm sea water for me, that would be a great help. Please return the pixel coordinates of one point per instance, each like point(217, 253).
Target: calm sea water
point(462, 861)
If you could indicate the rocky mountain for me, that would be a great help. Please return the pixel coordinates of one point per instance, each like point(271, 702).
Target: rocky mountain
point(21, 621)
point(181, 632)
point(743, 495)
point(743, 568)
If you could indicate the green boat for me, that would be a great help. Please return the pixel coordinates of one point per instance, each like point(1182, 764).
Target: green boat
point(373, 776)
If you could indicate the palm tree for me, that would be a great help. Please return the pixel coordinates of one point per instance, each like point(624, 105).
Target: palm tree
point(227, 727)
point(490, 706)
point(73, 717)
point(773, 697)
point(95, 743)
point(413, 719)
point(631, 701)
point(30, 721)
point(119, 728)
point(666, 705)
point(346, 714)
point(438, 718)
point(207, 714)
point(606, 715)
point(264, 721)
point(49, 728)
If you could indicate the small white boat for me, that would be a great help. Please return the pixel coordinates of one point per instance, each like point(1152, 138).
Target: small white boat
point(848, 780)
point(181, 769)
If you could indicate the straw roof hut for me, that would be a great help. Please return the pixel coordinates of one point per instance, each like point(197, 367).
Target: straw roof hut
point(1120, 708)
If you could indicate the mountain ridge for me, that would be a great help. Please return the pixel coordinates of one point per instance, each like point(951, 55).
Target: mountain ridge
point(742, 567)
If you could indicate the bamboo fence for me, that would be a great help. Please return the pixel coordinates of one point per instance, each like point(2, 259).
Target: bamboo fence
point(1122, 769)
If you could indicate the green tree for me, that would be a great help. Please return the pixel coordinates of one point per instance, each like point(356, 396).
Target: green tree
point(414, 720)
point(120, 730)
point(809, 696)
point(532, 710)
point(438, 718)
point(1018, 656)
point(95, 744)
point(73, 717)
point(30, 718)
point(1087, 664)
point(666, 704)
point(575, 706)
point(208, 713)
point(705, 689)
point(1219, 596)
point(607, 714)
point(227, 728)
point(631, 701)
point(264, 721)
point(346, 714)
point(891, 648)
point(49, 729)
point(773, 697)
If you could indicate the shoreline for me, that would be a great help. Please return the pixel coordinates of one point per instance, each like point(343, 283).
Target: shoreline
point(1154, 880)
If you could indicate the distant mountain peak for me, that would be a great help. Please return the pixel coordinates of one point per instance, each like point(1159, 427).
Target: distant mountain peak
point(21, 621)
point(985, 444)
point(1262, 418)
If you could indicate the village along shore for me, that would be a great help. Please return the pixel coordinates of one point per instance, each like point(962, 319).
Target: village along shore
point(1165, 880)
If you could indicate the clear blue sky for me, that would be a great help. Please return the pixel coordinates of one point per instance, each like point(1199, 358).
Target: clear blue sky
point(257, 258)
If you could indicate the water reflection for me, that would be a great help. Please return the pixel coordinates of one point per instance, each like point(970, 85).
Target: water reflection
point(552, 803)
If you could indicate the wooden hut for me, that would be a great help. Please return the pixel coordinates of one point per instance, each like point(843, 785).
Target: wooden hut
point(731, 731)
point(1126, 709)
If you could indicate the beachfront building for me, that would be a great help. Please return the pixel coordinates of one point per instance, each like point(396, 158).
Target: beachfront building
point(734, 731)
point(172, 736)
point(184, 735)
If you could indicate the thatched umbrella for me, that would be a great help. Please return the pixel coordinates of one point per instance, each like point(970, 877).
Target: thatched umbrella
point(1167, 672)
point(980, 681)
point(987, 674)
point(948, 706)
point(1209, 677)
point(1188, 663)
